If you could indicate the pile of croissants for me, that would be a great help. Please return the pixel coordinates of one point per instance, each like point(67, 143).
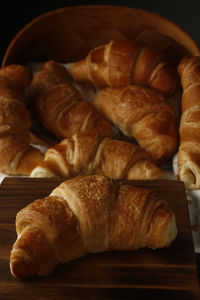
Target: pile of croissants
point(127, 131)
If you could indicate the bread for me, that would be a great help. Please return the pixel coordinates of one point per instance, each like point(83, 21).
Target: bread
point(143, 114)
point(125, 62)
point(89, 153)
point(189, 149)
point(88, 214)
point(17, 156)
point(58, 106)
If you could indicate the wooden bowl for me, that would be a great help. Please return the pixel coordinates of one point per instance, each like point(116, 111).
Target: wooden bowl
point(67, 34)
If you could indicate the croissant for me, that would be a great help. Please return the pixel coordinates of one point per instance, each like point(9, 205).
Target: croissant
point(88, 214)
point(189, 148)
point(126, 62)
point(88, 153)
point(17, 156)
point(144, 114)
point(58, 106)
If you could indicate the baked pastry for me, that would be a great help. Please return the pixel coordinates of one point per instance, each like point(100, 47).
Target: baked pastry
point(17, 156)
point(88, 214)
point(125, 62)
point(189, 148)
point(89, 153)
point(143, 114)
point(58, 106)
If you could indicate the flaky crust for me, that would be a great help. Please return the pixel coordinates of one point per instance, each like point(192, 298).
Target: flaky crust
point(89, 153)
point(17, 156)
point(125, 62)
point(88, 214)
point(189, 149)
point(58, 106)
point(143, 114)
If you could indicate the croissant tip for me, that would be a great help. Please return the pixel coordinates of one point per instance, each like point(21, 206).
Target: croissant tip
point(20, 268)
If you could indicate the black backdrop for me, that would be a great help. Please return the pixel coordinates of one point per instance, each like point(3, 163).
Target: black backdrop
point(15, 14)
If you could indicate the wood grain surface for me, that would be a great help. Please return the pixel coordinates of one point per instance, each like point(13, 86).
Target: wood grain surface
point(162, 273)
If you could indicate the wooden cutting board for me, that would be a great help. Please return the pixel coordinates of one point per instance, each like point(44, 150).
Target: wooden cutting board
point(162, 273)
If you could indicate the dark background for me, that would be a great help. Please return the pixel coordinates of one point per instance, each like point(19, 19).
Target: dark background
point(15, 14)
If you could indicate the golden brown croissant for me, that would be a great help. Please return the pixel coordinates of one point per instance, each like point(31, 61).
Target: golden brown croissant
point(88, 214)
point(58, 105)
point(144, 114)
point(189, 149)
point(125, 62)
point(88, 153)
point(17, 156)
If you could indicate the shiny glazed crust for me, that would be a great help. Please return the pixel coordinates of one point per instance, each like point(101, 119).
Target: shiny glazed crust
point(58, 106)
point(124, 62)
point(17, 156)
point(89, 153)
point(189, 149)
point(143, 114)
